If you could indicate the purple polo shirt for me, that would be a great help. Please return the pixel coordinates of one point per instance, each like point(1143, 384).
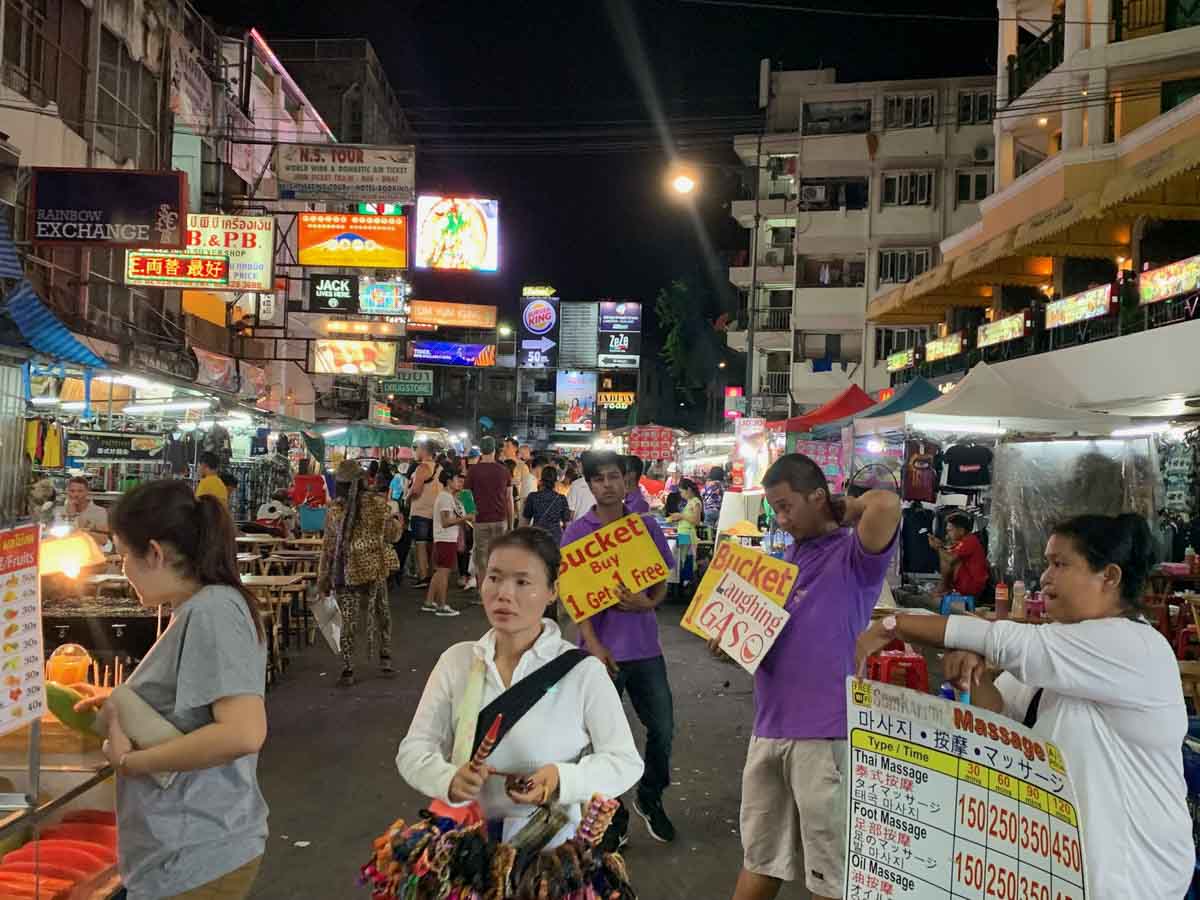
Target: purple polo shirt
point(635, 502)
point(800, 688)
point(629, 636)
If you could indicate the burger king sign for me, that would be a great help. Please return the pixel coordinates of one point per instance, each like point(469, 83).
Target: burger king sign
point(538, 347)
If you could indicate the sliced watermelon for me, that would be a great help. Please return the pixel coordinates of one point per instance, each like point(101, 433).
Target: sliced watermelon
point(28, 887)
point(44, 880)
point(68, 853)
point(91, 816)
point(104, 835)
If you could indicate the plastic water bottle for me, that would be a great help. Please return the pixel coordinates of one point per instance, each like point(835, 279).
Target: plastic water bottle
point(1018, 600)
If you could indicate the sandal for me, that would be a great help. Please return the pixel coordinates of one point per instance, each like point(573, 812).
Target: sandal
point(347, 679)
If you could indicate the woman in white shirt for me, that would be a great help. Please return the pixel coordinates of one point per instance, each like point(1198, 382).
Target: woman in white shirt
point(1100, 683)
point(573, 743)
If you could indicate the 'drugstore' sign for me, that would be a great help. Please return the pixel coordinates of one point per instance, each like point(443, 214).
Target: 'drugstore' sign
point(108, 208)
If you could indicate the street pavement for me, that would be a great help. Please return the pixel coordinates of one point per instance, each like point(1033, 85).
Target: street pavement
point(330, 779)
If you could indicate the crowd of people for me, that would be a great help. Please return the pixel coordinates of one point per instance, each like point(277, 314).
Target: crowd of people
point(1099, 681)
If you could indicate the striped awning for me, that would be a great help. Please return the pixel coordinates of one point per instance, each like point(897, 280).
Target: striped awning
point(1153, 171)
point(10, 263)
point(42, 330)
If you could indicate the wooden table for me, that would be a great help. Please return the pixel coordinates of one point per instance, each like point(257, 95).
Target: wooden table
point(304, 542)
point(277, 591)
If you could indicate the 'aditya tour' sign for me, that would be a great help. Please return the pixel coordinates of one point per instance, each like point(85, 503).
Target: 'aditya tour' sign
point(622, 551)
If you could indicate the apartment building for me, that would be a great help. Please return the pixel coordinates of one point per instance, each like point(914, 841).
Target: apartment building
point(857, 184)
point(1097, 134)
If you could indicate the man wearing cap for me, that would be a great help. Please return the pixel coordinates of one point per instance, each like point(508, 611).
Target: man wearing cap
point(491, 486)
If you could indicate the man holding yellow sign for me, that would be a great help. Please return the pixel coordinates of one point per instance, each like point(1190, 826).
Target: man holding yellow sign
point(612, 578)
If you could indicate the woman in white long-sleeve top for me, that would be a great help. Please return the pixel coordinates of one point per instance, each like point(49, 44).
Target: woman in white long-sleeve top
point(572, 743)
point(1102, 684)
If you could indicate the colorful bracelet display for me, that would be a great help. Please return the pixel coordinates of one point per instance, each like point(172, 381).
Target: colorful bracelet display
point(437, 859)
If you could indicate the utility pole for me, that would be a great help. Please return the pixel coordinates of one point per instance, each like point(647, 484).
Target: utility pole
point(764, 102)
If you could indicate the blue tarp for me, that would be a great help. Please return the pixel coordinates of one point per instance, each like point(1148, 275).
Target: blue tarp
point(42, 330)
point(916, 393)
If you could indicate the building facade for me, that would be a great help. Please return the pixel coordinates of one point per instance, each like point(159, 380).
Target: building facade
point(345, 80)
point(1097, 131)
point(857, 184)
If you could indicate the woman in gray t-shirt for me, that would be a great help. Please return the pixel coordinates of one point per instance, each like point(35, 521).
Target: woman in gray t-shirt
point(206, 676)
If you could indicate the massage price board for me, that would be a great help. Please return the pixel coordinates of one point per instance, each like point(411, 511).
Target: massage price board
point(949, 801)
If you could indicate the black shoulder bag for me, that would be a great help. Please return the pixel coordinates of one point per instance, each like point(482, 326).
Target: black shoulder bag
point(524, 696)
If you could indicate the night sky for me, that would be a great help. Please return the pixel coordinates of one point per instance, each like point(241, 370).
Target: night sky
point(599, 224)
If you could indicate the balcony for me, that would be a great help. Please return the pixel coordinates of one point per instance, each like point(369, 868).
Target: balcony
point(1132, 19)
point(1036, 60)
point(772, 210)
point(772, 330)
point(774, 384)
point(776, 268)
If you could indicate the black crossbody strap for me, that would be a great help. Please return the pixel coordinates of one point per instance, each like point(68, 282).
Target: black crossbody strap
point(524, 696)
point(1031, 712)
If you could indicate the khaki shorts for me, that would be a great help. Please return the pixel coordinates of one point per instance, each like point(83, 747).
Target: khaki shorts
point(793, 799)
point(234, 886)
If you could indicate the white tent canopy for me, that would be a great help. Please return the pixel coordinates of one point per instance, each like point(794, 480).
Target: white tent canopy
point(984, 401)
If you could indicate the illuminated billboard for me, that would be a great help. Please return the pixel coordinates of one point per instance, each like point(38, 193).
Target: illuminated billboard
point(458, 233)
point(447, 353)
point(1007, 329)
point(452, 315)
point(382, 298)
point(901, 360)
point(246, 245)
point(1089, 304)
point(171, 268)
point(337, 357)
point(575, 401)
point(1170, 281)
point(359, 242)
point(944, 348)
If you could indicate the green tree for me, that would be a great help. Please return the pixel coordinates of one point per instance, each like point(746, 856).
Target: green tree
point(692, 347)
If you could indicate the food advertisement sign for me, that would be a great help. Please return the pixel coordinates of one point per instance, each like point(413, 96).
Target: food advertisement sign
point(539, 331)
point(22, 656)
point(245, 243)
point(351, 241)
point(575, 401)
point(901, 360)
point(108, 208)
point(345, 172)
point(460, 233)
point(113, 446)
point(620, 316)
point(591, 567)
point(953, 801)
point(336, 357)
point(943, 348)
point(1089, 304)
point(382, 298)
point(769, 577)
point(448, 353)
point(452, 315)
point(1170, 281)
point(1007, 329)
point(616, 399)
point(741, 620)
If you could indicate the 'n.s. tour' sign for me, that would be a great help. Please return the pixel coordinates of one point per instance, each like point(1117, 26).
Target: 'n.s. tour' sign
point(108, 208)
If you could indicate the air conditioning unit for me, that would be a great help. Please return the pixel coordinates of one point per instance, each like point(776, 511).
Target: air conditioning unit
point(985, 153)
point(813, 193)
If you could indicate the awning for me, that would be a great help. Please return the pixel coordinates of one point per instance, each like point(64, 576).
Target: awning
point(42, 330)
point(1075, 227)
point(372, 436)
point(1161, 186)
point(853, 399)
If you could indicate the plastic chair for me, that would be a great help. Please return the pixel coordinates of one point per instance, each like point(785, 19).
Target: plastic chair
point(948, 601)
point(902, 667)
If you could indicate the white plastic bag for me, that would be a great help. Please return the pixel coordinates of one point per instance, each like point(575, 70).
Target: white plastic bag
point(328, 616)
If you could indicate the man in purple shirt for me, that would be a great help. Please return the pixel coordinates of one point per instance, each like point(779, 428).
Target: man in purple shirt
point(793, 781)
point(634, 501)
point(625, 638)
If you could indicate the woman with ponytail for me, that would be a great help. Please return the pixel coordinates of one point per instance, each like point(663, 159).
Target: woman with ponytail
point(205, 832)
point(1101, 683)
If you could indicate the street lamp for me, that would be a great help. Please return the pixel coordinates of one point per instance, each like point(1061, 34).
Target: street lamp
point(505, 330)
point(683, 184)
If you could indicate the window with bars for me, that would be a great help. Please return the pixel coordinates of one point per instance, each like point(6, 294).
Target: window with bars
point(127, 114)
point(908, 188)
point(909, 110)
point(891, 340)
point(898, 265)
point(973, 184)
point(45, 53)
point(975, 107)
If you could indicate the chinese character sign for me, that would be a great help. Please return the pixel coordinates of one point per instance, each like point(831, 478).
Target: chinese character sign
point(951, 801)
point(591, 566)
point(21, 656)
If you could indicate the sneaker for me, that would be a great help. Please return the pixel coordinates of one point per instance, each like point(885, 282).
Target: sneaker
point(617, 835)
point(656, 820)
point(470, 585)
point(421, 585)
point(429, 607)
point(447, 611)
point(385, 667)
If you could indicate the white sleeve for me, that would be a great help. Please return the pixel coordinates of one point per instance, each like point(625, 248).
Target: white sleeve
point(613, 766)
point(1016, 696)
point(423, 757)
point(1103, 660)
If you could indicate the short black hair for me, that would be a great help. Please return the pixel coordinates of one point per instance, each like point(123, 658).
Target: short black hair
point(1123, 541)
point(210, 459)
point(538, 542)
point(79, 479)
point(688, 484)
point(959, 520)
point(797, 471)
point(595, 460)
point(447, 475)
point(634, 465)
point(539, 461)
point(514, 441)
